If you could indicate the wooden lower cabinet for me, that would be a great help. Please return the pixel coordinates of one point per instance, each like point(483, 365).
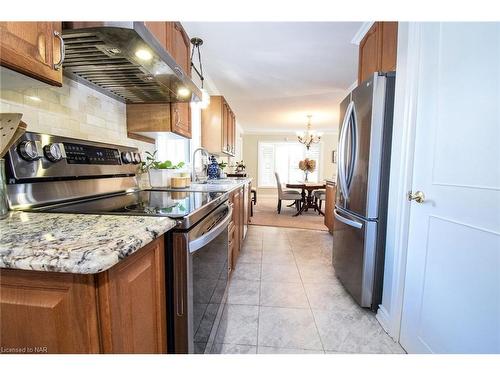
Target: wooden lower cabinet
point(237, 198)
point(45, 312)
point(329, 205)
point(121, 310)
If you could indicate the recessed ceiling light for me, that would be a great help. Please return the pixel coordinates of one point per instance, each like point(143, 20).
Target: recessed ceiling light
point(183, 92)
point(34, 98)
point(143, 54)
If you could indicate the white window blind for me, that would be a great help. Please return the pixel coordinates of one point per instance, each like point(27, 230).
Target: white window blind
point(284, 157)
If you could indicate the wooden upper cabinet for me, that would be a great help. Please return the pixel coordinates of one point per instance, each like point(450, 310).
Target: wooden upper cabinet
point(179, 46)
point(33, 49)
point(389, 41)
point(218, 127)
point(378, 50)
point(369, 54)
point(159, 30)
point(166, 117)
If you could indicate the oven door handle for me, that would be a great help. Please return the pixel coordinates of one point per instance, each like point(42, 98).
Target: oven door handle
point(201, 241)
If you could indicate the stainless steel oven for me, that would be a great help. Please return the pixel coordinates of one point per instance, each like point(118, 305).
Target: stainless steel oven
point(198, 270)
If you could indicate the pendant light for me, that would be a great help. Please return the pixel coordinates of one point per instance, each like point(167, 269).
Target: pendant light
point(205, 97)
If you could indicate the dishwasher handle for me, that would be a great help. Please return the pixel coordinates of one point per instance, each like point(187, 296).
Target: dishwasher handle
point(221, 226)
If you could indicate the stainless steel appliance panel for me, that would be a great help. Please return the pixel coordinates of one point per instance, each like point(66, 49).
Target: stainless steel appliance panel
point(360, 148)
point(200, 277)
point(354, 249)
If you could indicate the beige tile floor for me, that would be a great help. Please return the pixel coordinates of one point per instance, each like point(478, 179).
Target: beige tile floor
point(283, 297)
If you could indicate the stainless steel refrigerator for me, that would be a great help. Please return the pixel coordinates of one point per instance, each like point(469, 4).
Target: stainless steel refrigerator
point(360, 213)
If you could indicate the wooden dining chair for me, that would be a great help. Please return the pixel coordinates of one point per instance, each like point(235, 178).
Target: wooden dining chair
point(287, 195)
point(319, 196)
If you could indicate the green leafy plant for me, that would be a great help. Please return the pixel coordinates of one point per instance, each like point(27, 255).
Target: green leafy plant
point(222, 165)
point(152, 163)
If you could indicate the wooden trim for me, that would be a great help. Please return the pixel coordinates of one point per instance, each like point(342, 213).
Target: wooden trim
point(142, 138)
point(360, 34)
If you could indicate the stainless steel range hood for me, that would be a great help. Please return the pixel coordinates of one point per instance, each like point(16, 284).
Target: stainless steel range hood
point(125, 61)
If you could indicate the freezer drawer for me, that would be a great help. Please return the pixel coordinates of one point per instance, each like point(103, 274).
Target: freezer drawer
point(354, 246)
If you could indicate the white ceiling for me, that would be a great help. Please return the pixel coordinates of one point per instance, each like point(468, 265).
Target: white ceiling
point(274, 73)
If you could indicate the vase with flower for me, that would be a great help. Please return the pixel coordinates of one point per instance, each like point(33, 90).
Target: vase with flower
point(308, 166)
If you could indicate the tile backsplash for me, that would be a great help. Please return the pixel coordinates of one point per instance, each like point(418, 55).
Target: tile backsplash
point(73, 110)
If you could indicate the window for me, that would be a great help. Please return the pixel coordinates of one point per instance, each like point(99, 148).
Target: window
point(284, 157)
point(172, 147)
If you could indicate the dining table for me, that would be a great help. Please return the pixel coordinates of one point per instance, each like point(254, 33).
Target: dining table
point(308, 200)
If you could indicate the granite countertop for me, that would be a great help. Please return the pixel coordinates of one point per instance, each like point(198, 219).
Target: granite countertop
point(83, 244)
point(225, 185)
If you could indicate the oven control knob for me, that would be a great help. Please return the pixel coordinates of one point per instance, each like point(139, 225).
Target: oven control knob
point(30, 150)
point(137, 158)
point(127, 157)
point(54, 152)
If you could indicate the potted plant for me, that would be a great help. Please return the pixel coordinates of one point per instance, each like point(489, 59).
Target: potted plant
point(222, 165)
point(307, 165)
point(240, 166)
point(160, 172)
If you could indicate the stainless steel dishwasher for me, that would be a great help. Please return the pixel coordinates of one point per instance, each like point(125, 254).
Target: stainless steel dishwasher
point(198, 276)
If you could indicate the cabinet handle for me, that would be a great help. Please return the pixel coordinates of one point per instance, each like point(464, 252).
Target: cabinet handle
point(179, 71)
point(177, 117)
point(58, 65)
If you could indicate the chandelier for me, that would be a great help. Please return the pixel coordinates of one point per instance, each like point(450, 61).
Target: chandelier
point(309, 136)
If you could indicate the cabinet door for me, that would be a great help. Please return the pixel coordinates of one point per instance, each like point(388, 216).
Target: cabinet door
point(389, 41)
point(234, 134)
point(132, 304)
point(180, 114)
point(329, 206)
point(369, 54)
point(225, 126)
point(32, 48)
point(159, 30)
point(179, 46)
point(230, 250)
point(230, 132)
point(48, 312)
point(237, 226)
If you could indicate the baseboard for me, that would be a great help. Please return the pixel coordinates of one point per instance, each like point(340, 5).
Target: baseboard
point(384, 319)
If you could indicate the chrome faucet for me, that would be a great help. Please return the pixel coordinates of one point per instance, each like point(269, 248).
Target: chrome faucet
point(207, 155)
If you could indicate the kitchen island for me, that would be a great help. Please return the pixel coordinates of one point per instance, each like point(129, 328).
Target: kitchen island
point(82, 283)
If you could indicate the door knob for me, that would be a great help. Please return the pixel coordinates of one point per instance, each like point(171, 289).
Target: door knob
point(418, 196)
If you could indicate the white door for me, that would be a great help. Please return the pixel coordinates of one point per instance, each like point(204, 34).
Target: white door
point(452, 284)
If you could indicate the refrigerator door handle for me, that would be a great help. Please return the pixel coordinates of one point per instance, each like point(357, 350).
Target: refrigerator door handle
point(351, 223)
point(353, 144)
point(342, 166)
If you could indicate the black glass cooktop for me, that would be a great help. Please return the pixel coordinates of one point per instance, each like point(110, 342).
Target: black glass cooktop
point(174, 204)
